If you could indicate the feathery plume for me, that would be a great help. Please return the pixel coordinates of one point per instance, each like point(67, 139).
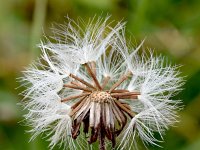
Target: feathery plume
point(89, 81)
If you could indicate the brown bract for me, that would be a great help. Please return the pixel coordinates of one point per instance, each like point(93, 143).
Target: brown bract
point(98, 109)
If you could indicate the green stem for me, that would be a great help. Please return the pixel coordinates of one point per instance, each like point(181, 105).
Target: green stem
point(38, 22)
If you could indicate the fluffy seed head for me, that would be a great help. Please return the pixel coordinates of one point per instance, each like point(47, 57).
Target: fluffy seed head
point(92, 79)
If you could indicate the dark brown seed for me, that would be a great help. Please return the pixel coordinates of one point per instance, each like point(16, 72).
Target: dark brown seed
point(103, 116)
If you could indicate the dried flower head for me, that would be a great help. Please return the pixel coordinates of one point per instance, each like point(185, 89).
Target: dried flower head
point(92, 86)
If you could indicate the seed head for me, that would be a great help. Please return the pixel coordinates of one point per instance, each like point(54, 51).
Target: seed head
point(92, 86)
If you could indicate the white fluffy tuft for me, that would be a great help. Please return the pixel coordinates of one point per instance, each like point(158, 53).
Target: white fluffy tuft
point(156, 81)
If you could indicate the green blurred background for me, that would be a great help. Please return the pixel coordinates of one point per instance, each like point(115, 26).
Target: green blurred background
point(171, 27)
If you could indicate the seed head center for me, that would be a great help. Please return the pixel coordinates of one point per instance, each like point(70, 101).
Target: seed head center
point(100, 97)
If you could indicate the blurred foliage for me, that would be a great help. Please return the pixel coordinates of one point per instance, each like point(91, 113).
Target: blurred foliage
point(171, 27)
